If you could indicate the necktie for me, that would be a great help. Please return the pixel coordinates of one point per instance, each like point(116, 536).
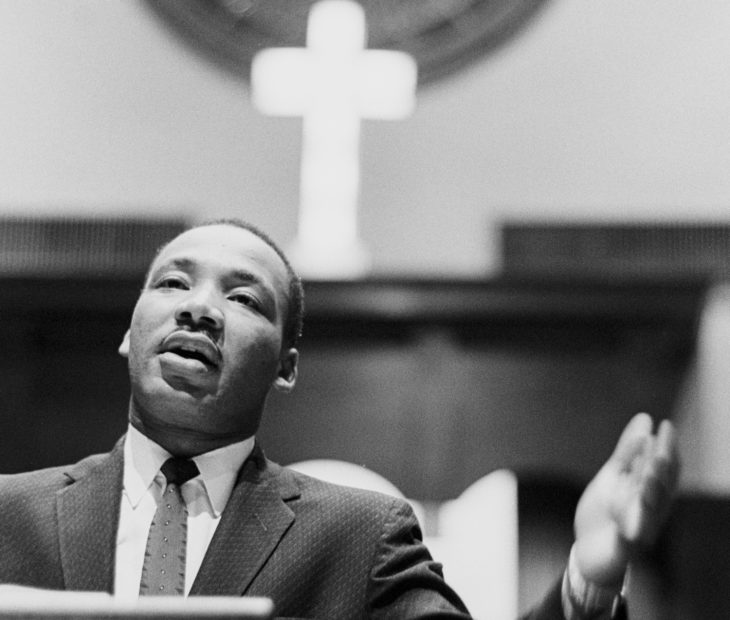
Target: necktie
point(163, 571)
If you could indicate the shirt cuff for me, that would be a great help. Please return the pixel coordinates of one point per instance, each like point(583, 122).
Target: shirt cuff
point(582, 599)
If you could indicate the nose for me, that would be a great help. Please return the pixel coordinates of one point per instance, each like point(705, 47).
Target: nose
point(199, 308)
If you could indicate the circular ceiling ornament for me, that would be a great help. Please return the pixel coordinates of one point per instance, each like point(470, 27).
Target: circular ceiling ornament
point(442, 35)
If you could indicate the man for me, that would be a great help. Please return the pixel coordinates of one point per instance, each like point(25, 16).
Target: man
point(213, 330)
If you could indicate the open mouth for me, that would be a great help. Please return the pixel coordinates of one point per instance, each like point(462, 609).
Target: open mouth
point(192, 354)
point(192, 346)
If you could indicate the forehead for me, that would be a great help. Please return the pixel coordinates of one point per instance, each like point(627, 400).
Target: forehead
point(226, 248)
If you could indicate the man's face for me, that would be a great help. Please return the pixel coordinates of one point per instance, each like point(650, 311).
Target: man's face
point(205, 342)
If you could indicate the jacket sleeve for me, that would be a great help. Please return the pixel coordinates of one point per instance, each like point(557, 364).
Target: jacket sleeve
point(405, 582)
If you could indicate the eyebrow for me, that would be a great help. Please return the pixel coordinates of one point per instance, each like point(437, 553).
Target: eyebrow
point(245, 276)
point(176, 263)
point(180, 263)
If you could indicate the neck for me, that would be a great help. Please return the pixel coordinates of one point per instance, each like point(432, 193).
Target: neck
point(182, 442)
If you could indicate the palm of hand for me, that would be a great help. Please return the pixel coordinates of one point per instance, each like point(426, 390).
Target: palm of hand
point(625, 505)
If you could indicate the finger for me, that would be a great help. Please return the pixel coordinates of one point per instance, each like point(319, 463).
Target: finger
point(666, 444)
point(660, 471)
point(656, 487)
point(633, 440)
point(666, 433)
point(645, 511)
point(646, 514)
point(655, 490)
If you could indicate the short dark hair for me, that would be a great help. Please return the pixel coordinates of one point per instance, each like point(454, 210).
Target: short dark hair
point(294, 319)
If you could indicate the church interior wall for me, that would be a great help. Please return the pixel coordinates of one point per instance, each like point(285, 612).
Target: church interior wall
point(615, 111)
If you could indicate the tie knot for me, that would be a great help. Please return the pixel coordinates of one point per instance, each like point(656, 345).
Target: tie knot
point(178, 471)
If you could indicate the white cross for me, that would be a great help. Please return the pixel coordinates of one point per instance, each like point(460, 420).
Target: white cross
point(332, 84)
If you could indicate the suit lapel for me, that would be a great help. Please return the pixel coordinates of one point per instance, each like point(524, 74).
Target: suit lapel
point(252, 524)
point(88, 515)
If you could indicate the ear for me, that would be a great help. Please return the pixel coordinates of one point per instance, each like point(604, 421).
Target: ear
point(124, 347)
point(287, 374)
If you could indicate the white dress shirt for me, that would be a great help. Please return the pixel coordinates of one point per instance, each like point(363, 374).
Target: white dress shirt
point(205, 495)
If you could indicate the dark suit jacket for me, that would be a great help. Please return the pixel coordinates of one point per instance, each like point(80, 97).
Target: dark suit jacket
point(318, 550)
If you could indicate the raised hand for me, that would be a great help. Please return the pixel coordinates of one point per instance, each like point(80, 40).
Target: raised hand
point(626, 504)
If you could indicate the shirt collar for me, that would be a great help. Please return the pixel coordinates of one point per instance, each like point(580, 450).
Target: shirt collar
point(218, 468)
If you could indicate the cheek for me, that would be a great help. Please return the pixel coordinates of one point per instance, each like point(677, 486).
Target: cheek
point(149, 314)
point(257, 354)
point(141, 333)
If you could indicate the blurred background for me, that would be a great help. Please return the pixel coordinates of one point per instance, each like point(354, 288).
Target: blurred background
point(549, 230)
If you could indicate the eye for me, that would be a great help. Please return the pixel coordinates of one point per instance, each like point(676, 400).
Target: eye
point(245, 299)
point(171, 282)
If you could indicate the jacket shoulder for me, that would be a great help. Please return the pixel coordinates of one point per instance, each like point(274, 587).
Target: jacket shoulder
point(43, 480)
point(316, 489)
